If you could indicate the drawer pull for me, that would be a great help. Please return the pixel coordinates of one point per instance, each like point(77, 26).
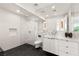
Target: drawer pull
point(66, 46)
point(66, 52)
point(66, 40)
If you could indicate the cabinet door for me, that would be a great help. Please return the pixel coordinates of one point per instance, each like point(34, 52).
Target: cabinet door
point(73, 48)
point(53, 45)
point(47, 44)
point(57, 47)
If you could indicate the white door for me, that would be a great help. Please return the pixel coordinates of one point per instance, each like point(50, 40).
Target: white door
point(23, 30)
point(31, 32)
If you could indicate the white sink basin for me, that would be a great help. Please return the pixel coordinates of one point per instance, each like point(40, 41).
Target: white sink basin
point(49, 36)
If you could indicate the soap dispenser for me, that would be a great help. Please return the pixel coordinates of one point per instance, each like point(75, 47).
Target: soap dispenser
point(70, 35)
point(66, 34)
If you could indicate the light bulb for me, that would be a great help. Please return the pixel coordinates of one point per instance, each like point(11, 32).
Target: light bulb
point(18, 11)
point(53, 7)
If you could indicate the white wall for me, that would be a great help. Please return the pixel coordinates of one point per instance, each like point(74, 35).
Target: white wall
point(26, 29)
point(9, 38)
point(30, 29)
point(52, 25)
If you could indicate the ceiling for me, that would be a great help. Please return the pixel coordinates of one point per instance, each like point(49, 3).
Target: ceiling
point(41, 10)
point(45, 9)
point(12, 7)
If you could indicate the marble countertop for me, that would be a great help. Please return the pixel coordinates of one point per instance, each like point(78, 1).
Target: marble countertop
point(62, 38)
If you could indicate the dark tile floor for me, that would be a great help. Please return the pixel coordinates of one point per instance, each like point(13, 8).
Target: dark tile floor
point(27, 50)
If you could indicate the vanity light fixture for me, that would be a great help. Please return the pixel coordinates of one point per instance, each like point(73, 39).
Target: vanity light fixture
point(53, 7)
point(18, 11)
point(35, 4)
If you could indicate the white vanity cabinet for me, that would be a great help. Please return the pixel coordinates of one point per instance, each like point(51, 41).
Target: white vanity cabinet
point(53, 49)
point(49, 45)
point(56, 47)
point(61, 47)
point(68, 48)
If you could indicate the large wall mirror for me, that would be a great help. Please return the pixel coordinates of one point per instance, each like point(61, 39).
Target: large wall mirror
point(62, 24)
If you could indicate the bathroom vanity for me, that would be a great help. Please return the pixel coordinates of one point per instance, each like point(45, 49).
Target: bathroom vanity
point(67, 45)
point(61, 46)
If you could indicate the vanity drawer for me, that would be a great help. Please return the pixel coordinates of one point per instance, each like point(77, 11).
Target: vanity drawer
point(68, 43)
point(68, 48)
point(68, 53)
point(64, 50)
point(64, 53)
point(73, 51)
point(73, 45)
point(62, 43)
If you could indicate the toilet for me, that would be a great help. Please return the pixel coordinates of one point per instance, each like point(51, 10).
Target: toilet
point(38, 42)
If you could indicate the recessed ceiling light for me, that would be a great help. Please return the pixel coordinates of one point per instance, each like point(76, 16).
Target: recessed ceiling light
point(53, 7)
point(35, 4)
point(18, 11)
